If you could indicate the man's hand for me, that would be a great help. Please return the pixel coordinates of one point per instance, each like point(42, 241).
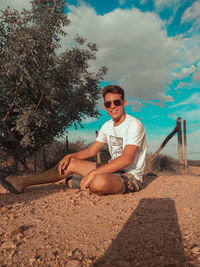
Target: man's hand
point(85, 182)
point(62, 165)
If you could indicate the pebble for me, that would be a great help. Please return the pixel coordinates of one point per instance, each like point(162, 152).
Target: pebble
point(73, 263)
point(198, 258)
point(7, 245)
point(32, 260)
point(69, 254)
point(195, 249)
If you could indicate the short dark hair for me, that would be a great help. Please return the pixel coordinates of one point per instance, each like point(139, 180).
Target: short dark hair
point(114, 89)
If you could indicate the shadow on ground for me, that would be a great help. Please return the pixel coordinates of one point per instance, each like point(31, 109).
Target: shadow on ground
point(151, 237)
point(148, 178)
point(31, 193)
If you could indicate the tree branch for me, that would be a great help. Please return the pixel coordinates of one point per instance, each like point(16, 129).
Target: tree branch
point(53, 8)
point(7, 114)
point(164, 143)
point(40, 100)
point(9, 132)
point(10, 106)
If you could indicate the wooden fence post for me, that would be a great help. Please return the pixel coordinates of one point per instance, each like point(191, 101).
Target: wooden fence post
point(35, 161)
point(98, 153)
point(180, 143)
point(185, 142)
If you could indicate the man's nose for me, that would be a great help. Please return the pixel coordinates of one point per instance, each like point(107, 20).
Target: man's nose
point(112, 104)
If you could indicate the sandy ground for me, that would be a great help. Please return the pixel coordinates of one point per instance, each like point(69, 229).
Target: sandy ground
point(51, 225)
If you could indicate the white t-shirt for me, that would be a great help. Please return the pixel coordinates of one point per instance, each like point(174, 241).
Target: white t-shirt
point(129, 132)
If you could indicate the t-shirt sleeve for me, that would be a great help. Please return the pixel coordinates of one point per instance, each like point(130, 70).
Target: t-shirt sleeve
point(136, 134)
point(101, 137)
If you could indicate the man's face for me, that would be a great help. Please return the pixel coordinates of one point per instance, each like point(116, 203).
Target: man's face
point(114, 105)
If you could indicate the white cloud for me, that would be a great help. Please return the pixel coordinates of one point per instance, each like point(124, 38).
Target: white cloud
point(196, 76)
point(172, 5)
point(15, 4)
point(135, 105)
point(191, 49)
point(195, 134)
point(183, 85)
point(143, 2)
point(188, 71)
point(122, 2)
point(161, 4)
point(89, 120)
point(185, 72)
point(194, 99)
point(133, 45)
point(192, 13)
point(189, 115)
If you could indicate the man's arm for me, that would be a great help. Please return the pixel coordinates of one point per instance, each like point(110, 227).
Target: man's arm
point(113, 166)
point(83, 154)
point(120, 162)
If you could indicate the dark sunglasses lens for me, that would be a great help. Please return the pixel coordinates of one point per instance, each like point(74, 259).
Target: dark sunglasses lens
point(117, 102)
point(107, 104)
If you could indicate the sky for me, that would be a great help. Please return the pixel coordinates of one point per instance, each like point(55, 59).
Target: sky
point(152, 50)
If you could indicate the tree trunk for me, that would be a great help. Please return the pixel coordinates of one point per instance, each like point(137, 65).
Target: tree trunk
point(15, 161)
point(44, 158)
point(24, 163)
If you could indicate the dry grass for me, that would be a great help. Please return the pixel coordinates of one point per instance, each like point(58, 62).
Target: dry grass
point(162, 163)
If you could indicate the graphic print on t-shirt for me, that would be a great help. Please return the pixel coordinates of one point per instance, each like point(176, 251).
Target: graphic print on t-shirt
point(116, 144)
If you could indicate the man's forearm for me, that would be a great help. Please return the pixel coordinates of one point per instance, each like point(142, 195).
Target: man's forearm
point(114, 165)
point(83, 154)
point(120, 162)
point(86, 153)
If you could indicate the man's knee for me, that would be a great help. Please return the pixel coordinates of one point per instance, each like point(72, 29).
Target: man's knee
point(68, 169)
point(99, 185)
point(72, 164)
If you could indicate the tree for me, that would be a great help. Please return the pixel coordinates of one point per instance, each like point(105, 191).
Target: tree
point(42, 92)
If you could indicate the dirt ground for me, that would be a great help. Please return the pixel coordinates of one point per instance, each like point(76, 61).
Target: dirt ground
point(51, 225)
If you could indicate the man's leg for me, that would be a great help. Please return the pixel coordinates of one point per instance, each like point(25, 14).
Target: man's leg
point(81, 167)
point(104, 184)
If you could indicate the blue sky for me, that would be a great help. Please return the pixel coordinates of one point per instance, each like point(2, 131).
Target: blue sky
point(152, 50)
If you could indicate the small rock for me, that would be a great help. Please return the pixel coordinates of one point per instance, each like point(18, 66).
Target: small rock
point(195, 249)
point(8, 245)
point(73, 263)
point(15, 232)
point(55, 253)
point(32, 260)
point(69, 254)
point(198, 258)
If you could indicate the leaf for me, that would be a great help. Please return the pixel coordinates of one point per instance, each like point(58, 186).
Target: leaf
point(54, 91)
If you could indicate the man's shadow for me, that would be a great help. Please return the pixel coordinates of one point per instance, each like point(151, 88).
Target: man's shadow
point(31, 193)
point(150, 237)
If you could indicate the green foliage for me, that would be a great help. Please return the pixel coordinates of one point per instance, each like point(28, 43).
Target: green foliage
point(42, 93)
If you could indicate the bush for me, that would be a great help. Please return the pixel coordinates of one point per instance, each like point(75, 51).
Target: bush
point(162, 163)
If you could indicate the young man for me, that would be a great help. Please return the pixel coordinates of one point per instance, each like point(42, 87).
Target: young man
point(125, 136)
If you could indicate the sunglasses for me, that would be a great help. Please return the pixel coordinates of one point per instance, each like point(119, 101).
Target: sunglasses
point(116, 102)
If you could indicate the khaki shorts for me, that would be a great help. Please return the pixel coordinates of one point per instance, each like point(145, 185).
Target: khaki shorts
point(131, 184)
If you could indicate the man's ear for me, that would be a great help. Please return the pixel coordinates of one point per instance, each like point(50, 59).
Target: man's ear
point(125, 102)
